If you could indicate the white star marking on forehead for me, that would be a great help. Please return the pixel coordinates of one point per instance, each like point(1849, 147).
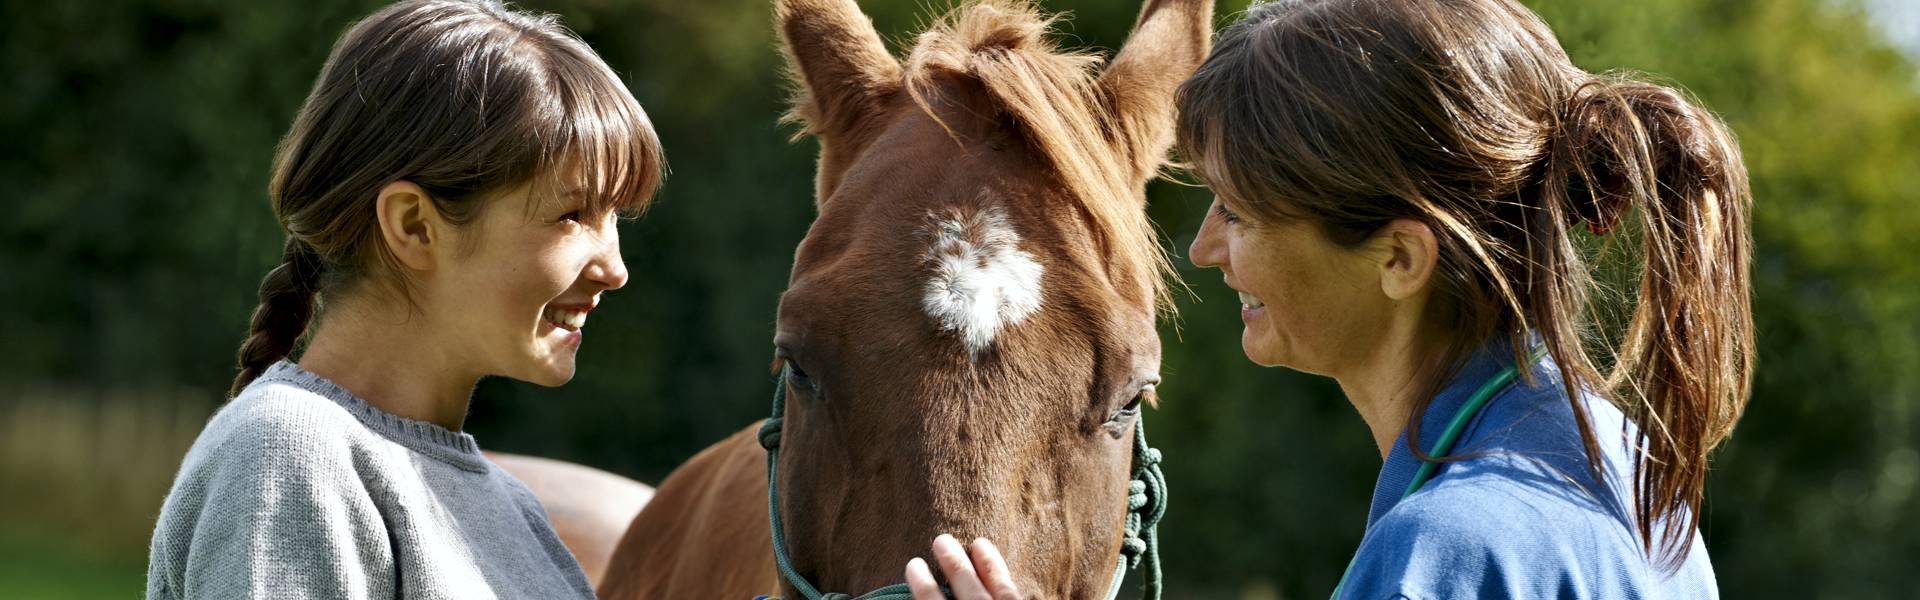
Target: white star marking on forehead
point(980, 280)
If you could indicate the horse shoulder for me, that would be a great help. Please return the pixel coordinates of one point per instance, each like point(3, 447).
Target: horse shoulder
point(704, 534)
point(589, 508)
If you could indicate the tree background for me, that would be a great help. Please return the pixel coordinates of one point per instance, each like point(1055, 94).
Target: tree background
point(135, 137)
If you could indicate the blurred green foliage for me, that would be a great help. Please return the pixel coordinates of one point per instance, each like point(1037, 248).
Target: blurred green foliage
point(135, 138)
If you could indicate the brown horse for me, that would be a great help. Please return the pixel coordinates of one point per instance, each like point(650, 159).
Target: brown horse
point(968, 329)
point(589, 507)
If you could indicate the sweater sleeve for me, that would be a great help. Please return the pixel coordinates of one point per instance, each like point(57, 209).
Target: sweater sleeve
point(268, 504)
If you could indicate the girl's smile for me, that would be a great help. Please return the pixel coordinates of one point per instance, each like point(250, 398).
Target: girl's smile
point(518, 300)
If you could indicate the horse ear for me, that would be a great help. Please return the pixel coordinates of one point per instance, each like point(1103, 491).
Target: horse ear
point(1167, 44)
point(838, 61)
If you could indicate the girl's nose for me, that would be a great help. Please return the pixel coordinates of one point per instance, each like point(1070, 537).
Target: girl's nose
point(608, 269)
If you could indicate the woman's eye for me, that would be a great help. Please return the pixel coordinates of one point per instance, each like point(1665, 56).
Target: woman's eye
point(1225, 214)
point(574, 216)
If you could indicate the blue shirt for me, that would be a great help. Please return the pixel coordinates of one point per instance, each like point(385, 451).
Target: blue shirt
point(1523, 518)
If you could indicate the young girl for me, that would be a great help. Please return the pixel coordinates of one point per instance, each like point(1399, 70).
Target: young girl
point(1409, 192)
point(449, 192)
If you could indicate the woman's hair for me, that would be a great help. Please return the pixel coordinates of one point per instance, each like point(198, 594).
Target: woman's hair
point(464, 98)
point(1468, 116)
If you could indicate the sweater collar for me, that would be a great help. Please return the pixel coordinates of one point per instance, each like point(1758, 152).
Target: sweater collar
point(454, 447)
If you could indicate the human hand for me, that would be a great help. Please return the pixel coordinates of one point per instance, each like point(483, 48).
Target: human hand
point(977, 573)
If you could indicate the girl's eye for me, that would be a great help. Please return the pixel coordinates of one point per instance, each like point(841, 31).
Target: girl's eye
point(572, 216)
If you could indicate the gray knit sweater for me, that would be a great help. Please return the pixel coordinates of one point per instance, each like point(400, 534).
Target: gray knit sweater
point(297, 489)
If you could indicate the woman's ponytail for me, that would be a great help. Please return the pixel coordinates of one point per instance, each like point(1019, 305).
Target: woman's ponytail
point(286, 305)
point(1683, 367)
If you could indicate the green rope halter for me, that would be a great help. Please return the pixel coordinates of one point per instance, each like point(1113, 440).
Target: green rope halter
point(1146, 504)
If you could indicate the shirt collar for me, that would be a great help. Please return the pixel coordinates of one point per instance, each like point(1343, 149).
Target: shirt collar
point(1397, 471)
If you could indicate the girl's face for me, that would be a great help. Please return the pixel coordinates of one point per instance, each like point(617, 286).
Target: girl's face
point(1306, 303)
point(513, 298)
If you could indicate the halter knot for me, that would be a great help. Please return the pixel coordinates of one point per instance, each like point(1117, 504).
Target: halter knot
point(1146, 504)
point(770, 433)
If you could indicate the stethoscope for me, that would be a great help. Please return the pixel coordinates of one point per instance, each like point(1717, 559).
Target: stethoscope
point(1444, 445)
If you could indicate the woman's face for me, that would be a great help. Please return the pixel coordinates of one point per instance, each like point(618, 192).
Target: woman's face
point(514, 296)
point(1306, 303)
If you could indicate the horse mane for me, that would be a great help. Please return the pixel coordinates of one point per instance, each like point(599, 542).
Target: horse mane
point(1055, 98)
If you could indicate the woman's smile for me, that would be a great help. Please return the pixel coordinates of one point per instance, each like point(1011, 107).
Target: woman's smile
point(1251, 307)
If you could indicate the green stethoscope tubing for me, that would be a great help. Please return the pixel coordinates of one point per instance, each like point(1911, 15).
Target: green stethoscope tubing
point(1448, 436)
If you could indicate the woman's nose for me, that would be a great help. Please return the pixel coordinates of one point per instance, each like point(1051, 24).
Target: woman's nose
point(1207, 249)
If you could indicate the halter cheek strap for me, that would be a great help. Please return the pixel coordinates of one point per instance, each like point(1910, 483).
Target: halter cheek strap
point(1146, 504)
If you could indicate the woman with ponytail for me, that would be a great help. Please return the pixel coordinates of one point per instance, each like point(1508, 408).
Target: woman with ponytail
point(449, 191)
point(1421, 199)
point(1427, 201)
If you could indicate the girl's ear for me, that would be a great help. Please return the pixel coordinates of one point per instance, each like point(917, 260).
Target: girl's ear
point(1408, 255)
point(410, 225)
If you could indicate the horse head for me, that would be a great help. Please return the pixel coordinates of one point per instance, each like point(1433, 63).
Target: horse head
point(968, 332)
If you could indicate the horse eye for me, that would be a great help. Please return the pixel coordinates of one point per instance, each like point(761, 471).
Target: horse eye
point(797, 377)
point(1133, 405)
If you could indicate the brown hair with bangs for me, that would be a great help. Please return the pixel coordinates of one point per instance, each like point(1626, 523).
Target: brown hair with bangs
point(1468, 116)
point(464, 98)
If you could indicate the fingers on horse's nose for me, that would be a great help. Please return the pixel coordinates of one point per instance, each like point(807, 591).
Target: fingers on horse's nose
point(920, 581)
point(992, 567)
point(961, 575)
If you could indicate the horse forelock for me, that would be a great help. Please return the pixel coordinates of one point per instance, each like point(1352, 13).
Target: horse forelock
point(1054, 97)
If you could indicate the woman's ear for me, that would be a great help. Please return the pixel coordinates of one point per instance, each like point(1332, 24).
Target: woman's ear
point(1409, 253)
point(410, 225)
